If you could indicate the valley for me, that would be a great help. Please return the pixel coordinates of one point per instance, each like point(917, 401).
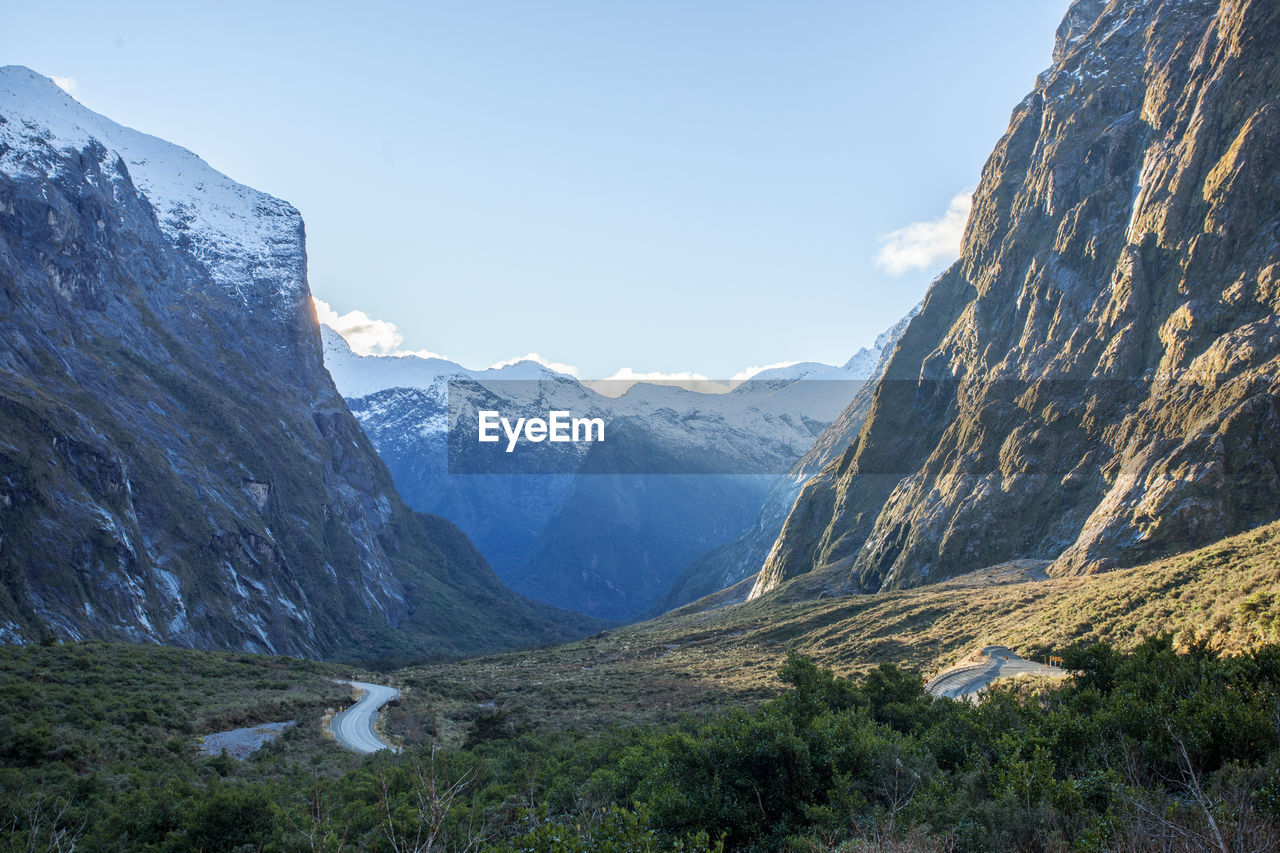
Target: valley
point(602, 527)
point(807, 612)
point(501, 750)
point(696, 662)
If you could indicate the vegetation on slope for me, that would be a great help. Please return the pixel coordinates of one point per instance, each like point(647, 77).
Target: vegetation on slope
point(699, 729)
point(1147, 750)
point(99, 741)
point(695, 662)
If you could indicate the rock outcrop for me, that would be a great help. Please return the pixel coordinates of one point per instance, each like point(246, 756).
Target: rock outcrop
point(1095, 380)
point(734, 562)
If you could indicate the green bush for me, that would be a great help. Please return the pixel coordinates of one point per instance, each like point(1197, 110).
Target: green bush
point(1147, 744)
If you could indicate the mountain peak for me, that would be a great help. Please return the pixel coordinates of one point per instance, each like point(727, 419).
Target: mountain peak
point(19, 76)
point(241, 234)
point(1076, 24)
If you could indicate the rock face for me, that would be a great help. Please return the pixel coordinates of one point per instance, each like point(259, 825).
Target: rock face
point(175, 463)
point(1095, 380)
point(729, 564)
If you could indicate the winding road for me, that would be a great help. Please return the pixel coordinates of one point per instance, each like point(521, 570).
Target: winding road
point(353, 728)
point(964, 682)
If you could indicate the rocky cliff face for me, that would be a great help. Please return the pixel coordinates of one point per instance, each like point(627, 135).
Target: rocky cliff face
point(175, 463)
point(734, 562)
point(1095, 380)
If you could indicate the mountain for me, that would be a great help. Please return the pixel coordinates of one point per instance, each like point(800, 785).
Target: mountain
point(602, 528)
point(730, 564)
point(360, 376)
point(1093, 382)
point(176, 465)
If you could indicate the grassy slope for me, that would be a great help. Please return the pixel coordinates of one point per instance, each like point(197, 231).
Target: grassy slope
point(691, 662)
point(142, 700)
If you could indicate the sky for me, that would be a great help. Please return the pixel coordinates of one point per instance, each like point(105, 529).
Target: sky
point(667, 187)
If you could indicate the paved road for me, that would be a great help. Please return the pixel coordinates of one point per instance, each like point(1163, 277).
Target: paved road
point(353, 728)
point(966, 680)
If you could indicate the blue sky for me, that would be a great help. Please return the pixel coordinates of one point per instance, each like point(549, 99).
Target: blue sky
point(664, 186)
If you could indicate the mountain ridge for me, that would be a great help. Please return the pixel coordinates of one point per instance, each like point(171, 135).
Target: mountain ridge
point(176, 465)
point(1093, 382)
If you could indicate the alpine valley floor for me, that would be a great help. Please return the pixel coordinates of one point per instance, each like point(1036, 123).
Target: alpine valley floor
point(693, 661)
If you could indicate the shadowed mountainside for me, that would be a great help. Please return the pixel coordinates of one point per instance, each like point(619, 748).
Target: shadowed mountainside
point(175, 464)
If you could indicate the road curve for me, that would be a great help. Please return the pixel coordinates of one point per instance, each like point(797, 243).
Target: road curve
point(964, 682)
point(353, 728)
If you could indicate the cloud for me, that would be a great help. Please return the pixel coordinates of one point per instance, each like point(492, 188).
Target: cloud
point(921, 245)
point(557, 366)
point(68, 85)
point(365, 335)
point(744, 375)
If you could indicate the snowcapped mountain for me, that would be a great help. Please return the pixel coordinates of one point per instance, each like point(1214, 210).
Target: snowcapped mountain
point(249, 242)
point(803, 370)
point(603, 529)
point(176, 465)
point(761, 426)
point(867, 361)
point(362, 375)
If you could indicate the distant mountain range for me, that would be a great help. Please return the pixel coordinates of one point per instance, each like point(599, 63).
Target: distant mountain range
point(603, 530)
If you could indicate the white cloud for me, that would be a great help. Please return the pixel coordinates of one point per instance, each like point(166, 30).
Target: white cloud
point(557, 366)
point(744, 375)
point(68, 85)
point(365, 335)
point(921, 245)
